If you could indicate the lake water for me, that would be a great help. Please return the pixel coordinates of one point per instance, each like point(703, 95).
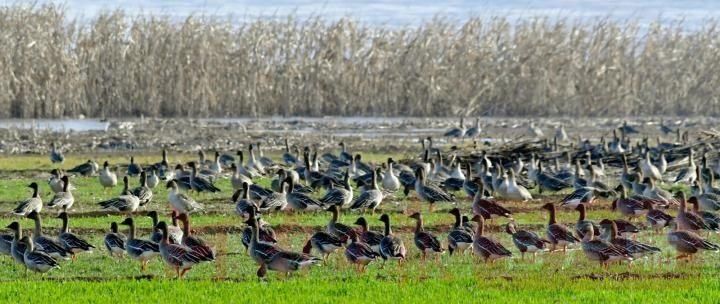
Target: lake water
point(409, 12)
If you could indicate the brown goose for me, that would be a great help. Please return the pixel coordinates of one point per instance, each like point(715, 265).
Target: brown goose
point(558, 234)
point(486, 247)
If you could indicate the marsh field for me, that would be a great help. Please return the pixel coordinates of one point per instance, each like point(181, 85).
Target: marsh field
point(575, 96)
point(97, 277)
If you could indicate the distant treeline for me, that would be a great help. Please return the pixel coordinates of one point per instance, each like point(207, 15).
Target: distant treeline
point(115, 65)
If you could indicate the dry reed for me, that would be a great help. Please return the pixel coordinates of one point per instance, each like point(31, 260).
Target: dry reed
point(116, 65)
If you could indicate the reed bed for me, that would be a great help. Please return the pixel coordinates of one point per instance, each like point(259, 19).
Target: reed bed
point(116, 65)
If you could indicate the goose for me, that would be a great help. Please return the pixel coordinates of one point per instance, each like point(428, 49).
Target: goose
point(560, 134)
point(34, 203)
point(35, 260)
point(488, 208)
point(687, 220)
point(525, 241)
point(629, 207)
point(56, 183)
point(198, 246)
point(658, 194)
point(88, 168)
point(487, 248)
point(688, 175)
point(367, 236)
point(287, 262)
point(549, 182)
point(215, 167)
point(237, 179)
point(635, 248)
point(370, 198)
point(341, 231)
point(163, 165)
point(288, 158)
point(179, 257)
point(600, 250)
point(139, 249)
point(582, 222)
point(126, 202)
point(662, 163)
point(534, 131)
point(391, 246)
point(56, 156)
point(175, 233)
point(273, 201)
point(657, 219)
point(428, 192)
point(340, 196)
point(711, 219)
point(300, 201)
point(460, 238)
point(648, 169)
point(259, 251)
point(107, 178)
point(63, 199)
point(558, 234)
point(133, 169)
point(244, 204)
point(70, 241)
point(425, 241)
point(247, 171)
point(43, 243)
point(143, 192)
point(265, 234)
point(325, 243)
point(255, 163)
point(514, 191)
point(390, 182)
point(475, 130)
point(114, 241)
point(458, 131)
point(181, 202)
point(153, 179)
point(200, 183)
point(360, 253)
point(18, 245)
point(6, 241)
point(688, 243)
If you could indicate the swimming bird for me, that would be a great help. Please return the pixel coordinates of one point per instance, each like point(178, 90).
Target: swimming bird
point(34, 203)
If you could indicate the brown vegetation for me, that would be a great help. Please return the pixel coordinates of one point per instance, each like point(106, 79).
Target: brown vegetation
point(116, 65)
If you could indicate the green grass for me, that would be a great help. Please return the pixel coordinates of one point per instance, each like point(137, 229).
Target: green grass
point(553, 277)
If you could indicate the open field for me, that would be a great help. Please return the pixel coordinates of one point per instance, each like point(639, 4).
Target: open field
point(567, 277)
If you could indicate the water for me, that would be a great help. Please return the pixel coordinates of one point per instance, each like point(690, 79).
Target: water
point(410, 12)
point(55, 125)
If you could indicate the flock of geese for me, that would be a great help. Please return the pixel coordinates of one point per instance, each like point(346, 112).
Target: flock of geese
point(586, 170)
